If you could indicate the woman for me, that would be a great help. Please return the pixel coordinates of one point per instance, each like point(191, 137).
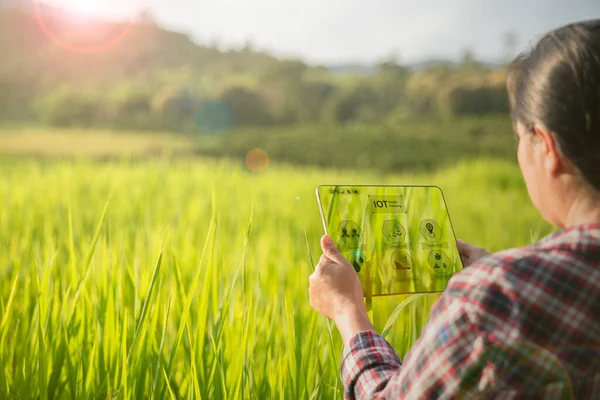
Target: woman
point(522, 323)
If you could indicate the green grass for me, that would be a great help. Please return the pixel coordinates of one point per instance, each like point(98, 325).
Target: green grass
point(412, 145)
point(189, 280)
point(89, 144)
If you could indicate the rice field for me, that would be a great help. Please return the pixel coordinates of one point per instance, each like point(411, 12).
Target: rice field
point(188, 280)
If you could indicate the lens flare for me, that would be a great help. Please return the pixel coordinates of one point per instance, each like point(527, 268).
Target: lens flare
point(212, 117)
point(74, 48)
point(257, 160)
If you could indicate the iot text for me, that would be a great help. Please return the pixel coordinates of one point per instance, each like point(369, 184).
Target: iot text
point(380, 203)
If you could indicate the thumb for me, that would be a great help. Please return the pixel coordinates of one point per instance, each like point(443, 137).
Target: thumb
point(330, 250)
point(463, 246)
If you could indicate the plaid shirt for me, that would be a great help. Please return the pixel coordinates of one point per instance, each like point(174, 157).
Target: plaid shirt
point(522, 323)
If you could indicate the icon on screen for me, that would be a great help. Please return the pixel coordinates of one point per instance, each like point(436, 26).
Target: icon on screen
point(357, 259)
point(394, 231)
point(401, 261)
point(439, 261)
point(430, 230)
point(349, 233)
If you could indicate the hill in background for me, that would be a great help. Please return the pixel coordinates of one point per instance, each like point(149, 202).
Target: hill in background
point(66, 70)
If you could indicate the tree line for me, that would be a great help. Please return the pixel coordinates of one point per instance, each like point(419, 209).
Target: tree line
point(159, 80)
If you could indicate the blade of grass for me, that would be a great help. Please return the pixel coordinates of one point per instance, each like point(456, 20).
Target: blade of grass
point(312, 263)
point(124, 370)
point(43, 365)
point(88, 259)
point(161, 348)
point(394, 316)
point(187, 305)
point(245, 248)
point(72, 254)
point(57, 367)
point(168, 384)
point(7, 312)
point(144, 311)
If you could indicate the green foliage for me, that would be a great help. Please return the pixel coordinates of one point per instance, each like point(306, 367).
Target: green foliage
point(398, 146)
point(356, 103)
point(479, 100)
point(245, 107)
point(127, 106)
point(175, 108)
point(188, 280)
point(68, 106)
point(312, 99)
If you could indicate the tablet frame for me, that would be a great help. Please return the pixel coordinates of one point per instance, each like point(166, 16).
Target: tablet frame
point(322, 212)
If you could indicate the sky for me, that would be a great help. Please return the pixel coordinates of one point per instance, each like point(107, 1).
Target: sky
point(356, 31)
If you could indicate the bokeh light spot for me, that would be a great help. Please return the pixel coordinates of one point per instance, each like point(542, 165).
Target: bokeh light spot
point(212, 117)
point(257, 160)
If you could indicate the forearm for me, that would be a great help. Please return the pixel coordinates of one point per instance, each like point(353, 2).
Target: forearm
point(352, 322)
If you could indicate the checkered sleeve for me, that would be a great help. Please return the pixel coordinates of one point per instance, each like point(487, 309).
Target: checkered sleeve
point(368, 364)
point(436, 365)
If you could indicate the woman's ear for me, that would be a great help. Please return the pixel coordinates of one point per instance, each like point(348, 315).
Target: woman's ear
point(548, 150)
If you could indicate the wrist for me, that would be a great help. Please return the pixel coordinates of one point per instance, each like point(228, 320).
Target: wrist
point(352, 321)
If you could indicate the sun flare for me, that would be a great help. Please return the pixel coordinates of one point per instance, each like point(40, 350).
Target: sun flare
point(92, 8)
point(80, 13)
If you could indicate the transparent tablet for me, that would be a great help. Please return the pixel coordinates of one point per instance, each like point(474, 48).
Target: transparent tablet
point(398, 238)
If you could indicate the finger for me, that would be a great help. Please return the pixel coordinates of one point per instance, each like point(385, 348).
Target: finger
point(331, 251)
point(324, 269)
point(319, 266)
point(323, 261)
point(463, 247)
point(310, 298)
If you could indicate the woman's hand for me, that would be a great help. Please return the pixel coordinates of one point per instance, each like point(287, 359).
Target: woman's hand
point(336, 292)
point(469, 253)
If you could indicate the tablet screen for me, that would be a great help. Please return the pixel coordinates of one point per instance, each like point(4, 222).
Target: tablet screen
point(399, 239)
